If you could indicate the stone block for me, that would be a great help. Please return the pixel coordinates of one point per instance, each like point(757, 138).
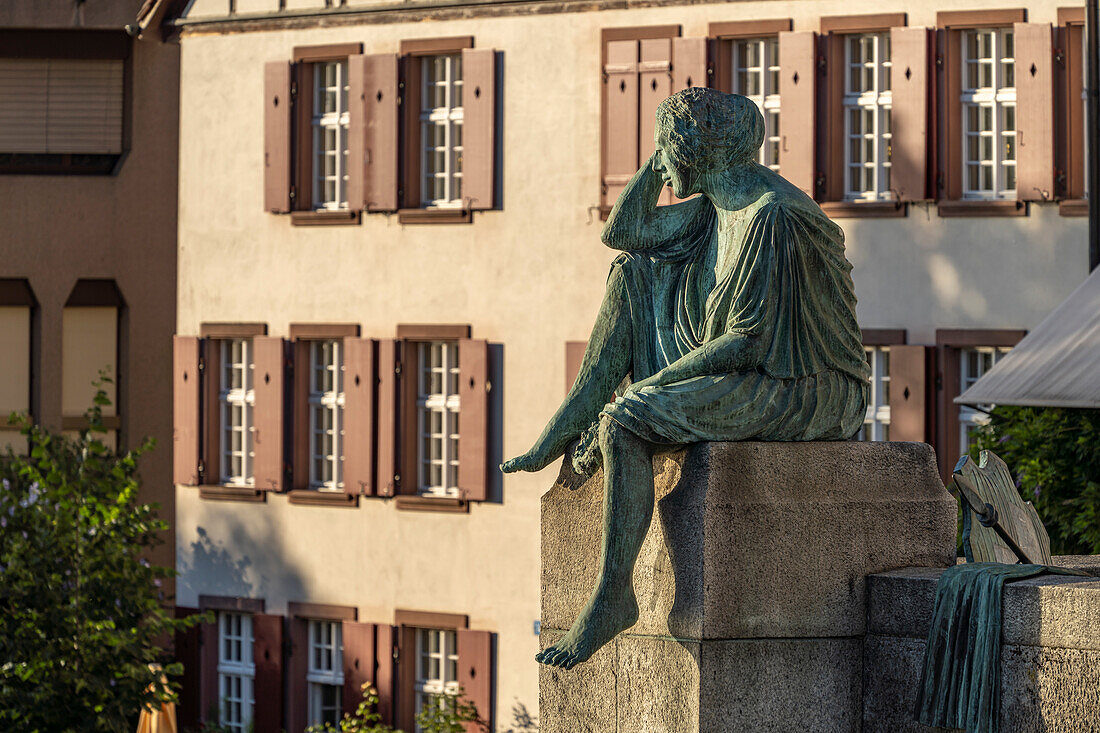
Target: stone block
point(757, 539)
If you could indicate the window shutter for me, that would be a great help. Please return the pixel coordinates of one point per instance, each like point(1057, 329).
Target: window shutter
point(475, 673)
point(405, 698)
point(277, 112)
point(185, 410)
point(1034, 112)
point(268, 353)
point(298, 669)
point(620, 123)
point(387, 417)
point(478, 127)
point(300, 424)
point(574, 355)
point(796, 95)
point(908, 392)
point(655, 86)
point(408, 429)
point(690, 64)
point(909, 81)
point(384, 673)
point(358, 440)
point(358, 662)
point(372, 132)
point(267, 653)
point(208, 672)
point(473, 437)
point(210, 445)
point(188, 648)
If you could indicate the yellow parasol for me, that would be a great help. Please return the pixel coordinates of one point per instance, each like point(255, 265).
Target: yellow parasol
point(162, 720)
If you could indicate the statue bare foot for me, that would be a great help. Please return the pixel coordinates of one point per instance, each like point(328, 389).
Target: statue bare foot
point(607, 613)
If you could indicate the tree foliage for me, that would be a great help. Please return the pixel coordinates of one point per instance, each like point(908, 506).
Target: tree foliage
point(447, 713)
point(1055, 456)
point(81, 614)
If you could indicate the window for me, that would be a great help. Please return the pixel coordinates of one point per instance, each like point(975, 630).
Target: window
point(330, 135)
point(437, 418)
point(436, 665)
point(16, 307)
point(236, 671)
point(326, 415)
point(756, 76)
point(441, 117)
point(867, 103)
point(236, 399)
point(89, 348)
point(326, 676)
point(988, 102)
point(876, 426)
point(974, 363)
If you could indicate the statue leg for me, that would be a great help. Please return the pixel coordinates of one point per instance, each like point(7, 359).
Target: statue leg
point(628, 509)
point(607, 360)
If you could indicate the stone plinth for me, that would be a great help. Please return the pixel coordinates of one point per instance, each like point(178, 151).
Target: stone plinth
point(1050, 653)
point(751, 585)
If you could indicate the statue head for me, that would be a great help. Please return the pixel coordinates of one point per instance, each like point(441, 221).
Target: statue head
point(701, 131)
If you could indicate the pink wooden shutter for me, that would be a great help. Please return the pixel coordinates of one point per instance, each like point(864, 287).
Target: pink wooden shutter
point(358, 662)
point(797, 118)
point(620, 123)
point(690, 64)
point(384, 673)
point(909, 80)
point(297, 671)
point(1034, 112)
point(208, 687)
point(277, 136)
point(185, 410)
point(909, 377)
point(188, 647)
point(372, 132)
point(387, 417)
point(473, 436)
point(358, 443)
point(574, 355)
point(478, 126)
point(300, 422)
point(654, 87)
point(267, 654)
point(267, 437)
point(475, 673)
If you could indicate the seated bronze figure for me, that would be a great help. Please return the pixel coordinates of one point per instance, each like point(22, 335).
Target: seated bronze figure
point(729, 316)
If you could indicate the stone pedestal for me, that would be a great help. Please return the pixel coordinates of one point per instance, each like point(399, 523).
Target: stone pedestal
point(751, 585)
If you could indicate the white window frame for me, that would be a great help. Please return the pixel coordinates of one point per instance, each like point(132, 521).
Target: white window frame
point(449, 119)
point(969, 417)
point(326, 415)
point(441, 647)
point(230, 399)
point(326, 668)
point(872, 103)
point(766, 94)
point(876, 424)
point(437, 472)
point(235, 668)
point(998, 98)
point(332, 121)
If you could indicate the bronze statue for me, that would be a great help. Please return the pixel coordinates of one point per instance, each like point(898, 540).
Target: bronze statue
point(730, 316)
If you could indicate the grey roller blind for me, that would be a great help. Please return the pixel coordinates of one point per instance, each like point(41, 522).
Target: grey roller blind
point(60, 106)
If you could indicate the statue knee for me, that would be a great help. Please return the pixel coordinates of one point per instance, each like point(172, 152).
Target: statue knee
point(614, 437)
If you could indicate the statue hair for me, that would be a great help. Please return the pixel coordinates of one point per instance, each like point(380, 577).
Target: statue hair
point(709, 130)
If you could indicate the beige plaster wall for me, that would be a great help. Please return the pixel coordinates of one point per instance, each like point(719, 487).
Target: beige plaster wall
point(529, 276)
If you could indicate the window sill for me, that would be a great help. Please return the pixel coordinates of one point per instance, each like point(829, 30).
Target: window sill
point(434, 216)
point(981, 208)
point(432, 504)
point(232, 493)
point(310, 497)
point(323, 218)
point(1074, 207)
point(864, 209)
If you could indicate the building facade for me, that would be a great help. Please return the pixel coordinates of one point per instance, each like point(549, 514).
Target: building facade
point(389, 220)
point(88, 115)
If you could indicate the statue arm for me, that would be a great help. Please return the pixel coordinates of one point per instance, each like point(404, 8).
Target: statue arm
point(733, 351)
point(636, 222)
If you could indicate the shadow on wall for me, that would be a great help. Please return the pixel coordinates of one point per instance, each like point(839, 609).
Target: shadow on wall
point(233, 562)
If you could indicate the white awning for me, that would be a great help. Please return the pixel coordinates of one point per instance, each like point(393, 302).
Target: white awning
point(1056, 365)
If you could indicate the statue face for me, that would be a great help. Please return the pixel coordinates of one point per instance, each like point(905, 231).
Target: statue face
point(672, 168)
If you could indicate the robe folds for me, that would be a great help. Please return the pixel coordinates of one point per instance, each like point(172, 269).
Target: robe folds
point(778, 273)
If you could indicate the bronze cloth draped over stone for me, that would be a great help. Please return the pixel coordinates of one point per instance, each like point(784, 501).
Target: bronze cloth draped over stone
point(784, 278)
